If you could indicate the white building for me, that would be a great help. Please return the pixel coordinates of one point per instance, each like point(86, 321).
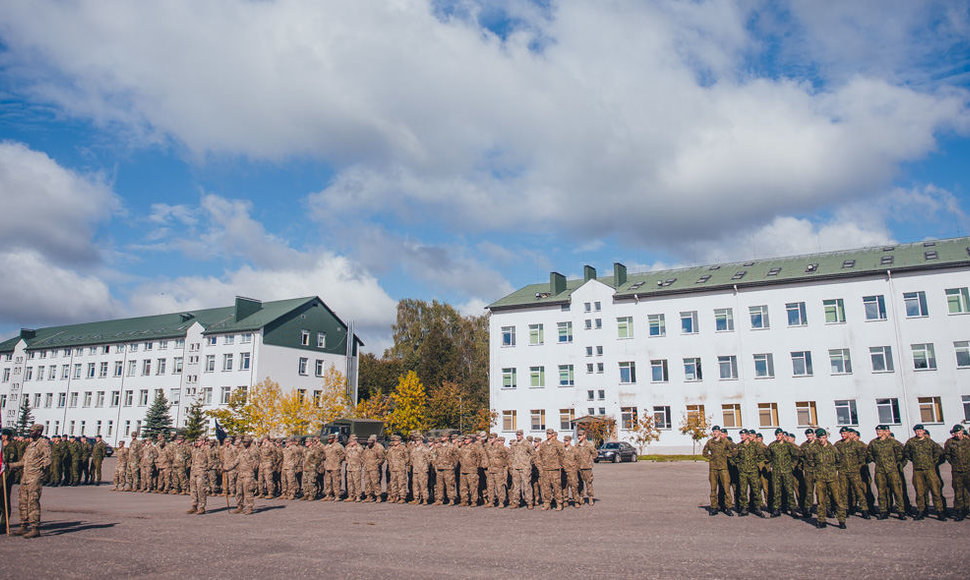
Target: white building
point(858, 338)
point(99, 378)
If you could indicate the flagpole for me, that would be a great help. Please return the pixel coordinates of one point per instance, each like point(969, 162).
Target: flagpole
point(6, 503)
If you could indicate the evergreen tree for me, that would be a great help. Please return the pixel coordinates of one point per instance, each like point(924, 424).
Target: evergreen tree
point(26, 418)
point(158, 420)
point(196, 424)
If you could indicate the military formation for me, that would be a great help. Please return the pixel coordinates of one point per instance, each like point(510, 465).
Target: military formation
point(470, 470)
point(834, 479)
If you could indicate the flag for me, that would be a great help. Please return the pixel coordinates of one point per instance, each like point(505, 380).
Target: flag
point(220, 432)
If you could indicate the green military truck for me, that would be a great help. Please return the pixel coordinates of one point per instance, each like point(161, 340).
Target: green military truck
point(362, 428)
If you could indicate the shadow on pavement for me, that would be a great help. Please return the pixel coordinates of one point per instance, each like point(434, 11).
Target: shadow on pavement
point(61, 528)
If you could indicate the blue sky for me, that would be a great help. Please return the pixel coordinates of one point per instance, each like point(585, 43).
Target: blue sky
point(164, 156)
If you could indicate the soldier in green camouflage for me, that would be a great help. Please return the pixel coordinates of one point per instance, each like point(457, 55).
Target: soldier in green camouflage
point(925, 454)
point(957, 452)
point(747, 455)
point(887, 454)
point(718, 451)
point(850, 476)
point(782, 456)
point(827, 462)
point(98, 453)
point(57, 461)
point(807, 473)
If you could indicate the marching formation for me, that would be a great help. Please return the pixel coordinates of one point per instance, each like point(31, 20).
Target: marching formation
point(790, 478)
point(468, 470)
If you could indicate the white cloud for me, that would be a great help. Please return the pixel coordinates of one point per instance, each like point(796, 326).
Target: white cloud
point(638, 121)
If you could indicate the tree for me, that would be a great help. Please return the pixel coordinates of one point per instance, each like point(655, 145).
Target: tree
point(296, 412)
point(377, 376)
point(233, 417)
point(645, 432)
point(445, 407)
point(263, 408)
point(26, 419)
point(196, 424)
point(157, 419)
point(333, 402)
point(598, 429)
point(409, 404)
point(377, 407)
point(484, 419)
point(695, 425)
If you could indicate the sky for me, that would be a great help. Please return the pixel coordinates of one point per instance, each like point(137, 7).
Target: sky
point(163, 156)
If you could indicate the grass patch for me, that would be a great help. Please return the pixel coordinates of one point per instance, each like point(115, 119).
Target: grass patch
point(664, 458)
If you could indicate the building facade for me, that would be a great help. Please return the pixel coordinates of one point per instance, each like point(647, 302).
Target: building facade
point(99, 378)
point(858, 338)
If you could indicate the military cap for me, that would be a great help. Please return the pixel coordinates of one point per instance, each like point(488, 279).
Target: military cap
point(395, 437)
point(469, 436)
point(581, 432)
point(519, 432)
point(716, 428)
point(809, 431)
point(568, 438)
point(372, 438)
point(882, 427)
point(759, 435)
point(918, 427)
point(9, 432)
point(353, 436)
point(37, 427)
point(482, 434)
point(332, 436)
point(550, 431)
point(247, 438)
point(779, 430)
point(956, 428)
point(820, 432)
point(530, 438)
point(844, 429)
point(743, 432)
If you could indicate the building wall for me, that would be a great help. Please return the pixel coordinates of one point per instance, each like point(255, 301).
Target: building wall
point(949, 382)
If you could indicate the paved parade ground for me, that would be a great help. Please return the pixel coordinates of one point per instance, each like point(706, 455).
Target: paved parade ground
point(649, 522)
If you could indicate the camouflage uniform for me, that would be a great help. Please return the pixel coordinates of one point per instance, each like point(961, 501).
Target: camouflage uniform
point(244, 463)
point(398, 461)
point(86, 450)
point(199, 478)
point(121, 454)
point(498, 472)
point(181, 456)
point(373, 457)
point(445, 459)
point(783, 456)
point(718, 452)
point(58, 449)
point(925, 455)
point(827, 461)
point(164, 464)
point(570, 465)
point(98, 452)
point(355, 462)
point(267, 457)
point(887, 454)
point(808, 476)
point(850, 476)
point(215, 467)
point(957, 452)
point(11, 454)
point(420, 464)
point(147, 464)
point(747, 457)
point(34, 462)
point(333, 463)
point(292, 467)
point(587, 454)
point(523, 454)
point(230, 475)
point(470, 458)
point(133, 467)
point(312, 459)
point(549, 460)
point(75, 451)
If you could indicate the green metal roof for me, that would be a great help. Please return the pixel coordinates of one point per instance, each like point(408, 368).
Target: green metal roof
point(950, 253)
point(161, 326)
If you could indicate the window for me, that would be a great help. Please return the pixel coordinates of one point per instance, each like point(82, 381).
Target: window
point(176, 365)
point(321, 340)
point(129, 398)
point(888, 411)
point(537, 377)
point(538, 419)
point(759, 316)
point(210, 363)
point(99, 402)
point(768, 414)
point(958, 300)
point(834, 311)
point(840, 362)
point(565, 331)
point(801, 362)
point(536, 334)
point(661, 417)
point(845, 412)
point(226, 362)
point(102, 370)
point(695, 412)
point(162, 345)
point(962, 350)
point(624, 327)
point(65, 371)
point(657, 325)
point(509, 420)
point(590, 395)
point(692, 369)
point(74, 398)
point(628, 418)
point(160, 366)
point(115, 398)
point(566, 376)
point(48, 400)
point(882, 359)
point(318, 368)
point(601, 394)
point(564, 307)
point(118, 368)
point(728, 367)
point(301, 366)
point(211, 340)
point(628, 372)
point(807, 416)
point(589, 368)
point(88, 396)
point(90, 371)
point(587, 307)
point(142, 397)
point(924, 357)
point(61, 400)
point(658, 371)
point(764, 366)
point(930, 410)
point(305, 337)
point(508, 378)
point(206, 395)
point(915, 304)
point(566, 418)
point(875, 307)
point(688, 322)
point(508, 336)
point(724, 320)
point(966, 408)
point(52, 374)
point(148, 346)
point(225, 393)
point(796, 314)
point(731, 415)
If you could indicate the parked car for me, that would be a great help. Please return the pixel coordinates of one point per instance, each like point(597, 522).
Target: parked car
point(616, 451)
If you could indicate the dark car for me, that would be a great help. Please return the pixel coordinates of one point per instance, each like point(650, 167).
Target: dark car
point(616, 451)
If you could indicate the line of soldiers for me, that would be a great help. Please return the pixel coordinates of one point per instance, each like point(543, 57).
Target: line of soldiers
point(470, 470)
point(74, 460)
point(790, 478)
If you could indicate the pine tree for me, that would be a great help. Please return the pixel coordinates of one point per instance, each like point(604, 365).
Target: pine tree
point(196, 425)
point(26, 419)
point(158, 420)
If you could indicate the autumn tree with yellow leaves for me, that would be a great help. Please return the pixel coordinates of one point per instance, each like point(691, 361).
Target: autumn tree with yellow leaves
point(409, 405)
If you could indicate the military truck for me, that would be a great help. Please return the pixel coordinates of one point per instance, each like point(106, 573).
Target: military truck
point(362, 428)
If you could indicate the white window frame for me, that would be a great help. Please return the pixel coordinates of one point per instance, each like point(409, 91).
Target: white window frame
point(723, 320)
point(756, 312)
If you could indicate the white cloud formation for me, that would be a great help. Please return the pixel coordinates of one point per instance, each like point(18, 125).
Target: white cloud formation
point(638, 121)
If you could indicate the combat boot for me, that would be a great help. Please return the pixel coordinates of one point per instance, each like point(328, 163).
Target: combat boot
point(882, 516)
point(200, 512)
point(191, 511)
point(960, 515)
point(758, 512)
point(820, 525)
point(559, 507)
point(22, 531)
point(776, 513)
point(711, 511)
point(742, 512)
point(865, 514)
point(33, 533)
point(919, 516)
point(238, 510)
point(841, 525)
point(942, 516)
point(729, 513)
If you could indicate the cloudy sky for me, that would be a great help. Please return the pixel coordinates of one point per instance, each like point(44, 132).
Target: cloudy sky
point(159, 156)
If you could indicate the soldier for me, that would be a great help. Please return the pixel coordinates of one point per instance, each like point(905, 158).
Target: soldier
point(10, 453)
point(163, 463)
point(181, 458)
point(267, 456)
point(199, 476)
point(498, 472)
point(373, 459)
point(957, 452)
point(483, 491)
point(808, 473)
point(74, 453)
point(925, 455)
point(34, 462)
point(215, 467)
point(747, 456)
point(86, 450)
point(398, 461)
point(230, 475)
point(243, 463)
point(764, 470)
point(718, 450)
point(333, 464)
point(121, 454)
point(889, 460)
point(570, 465)
point(850, 477)
point(355, 462)
point(783, 456)
point(57, 461)
point(827, 461)
point(522, 453)
point(549, 460)
point(587, 454)
point(98, 452)
point(445, 459)
point(470, 461)
point(148, 454)
point(291, 454)
point(420, 464)
point(133, 467)
point(312, 458)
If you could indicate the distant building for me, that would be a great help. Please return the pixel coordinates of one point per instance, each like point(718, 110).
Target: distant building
point(857, 338)
point(99, 378)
